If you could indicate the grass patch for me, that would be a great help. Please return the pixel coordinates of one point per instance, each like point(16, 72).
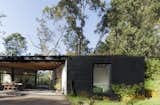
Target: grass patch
point(75, 101)
point(151, 101)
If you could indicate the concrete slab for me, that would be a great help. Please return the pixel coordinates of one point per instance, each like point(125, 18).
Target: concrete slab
point(35, 98)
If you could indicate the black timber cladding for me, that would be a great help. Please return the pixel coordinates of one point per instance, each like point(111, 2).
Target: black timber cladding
point(125, 69)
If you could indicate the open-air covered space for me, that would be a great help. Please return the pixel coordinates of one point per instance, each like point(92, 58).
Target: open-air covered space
point(20, 74)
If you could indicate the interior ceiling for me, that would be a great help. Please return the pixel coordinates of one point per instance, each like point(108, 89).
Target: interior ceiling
point(41, 65)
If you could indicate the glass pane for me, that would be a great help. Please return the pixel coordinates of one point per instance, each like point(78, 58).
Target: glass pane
point(101, 78)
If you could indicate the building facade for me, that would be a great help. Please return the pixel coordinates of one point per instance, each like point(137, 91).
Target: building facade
point(78, 74)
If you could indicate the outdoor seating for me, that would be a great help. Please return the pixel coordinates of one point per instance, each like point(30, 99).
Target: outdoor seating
point(11, 86)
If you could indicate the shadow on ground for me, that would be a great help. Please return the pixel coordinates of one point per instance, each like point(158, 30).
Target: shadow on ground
point(34, 100)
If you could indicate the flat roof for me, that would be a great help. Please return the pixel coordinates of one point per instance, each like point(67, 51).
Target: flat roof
point(32, 58)
point(31, 62)
point(41, 62)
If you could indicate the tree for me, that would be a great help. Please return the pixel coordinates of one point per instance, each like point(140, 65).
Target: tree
point(2, 16)
point(74, 13)
point(133, 27)
point(1, 32)
point(101, 48)
point(70, 41)
point(48, 39)
point(15, 44)
point(44, 35)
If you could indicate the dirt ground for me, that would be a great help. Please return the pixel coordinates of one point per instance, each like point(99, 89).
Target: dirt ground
point(34, 100)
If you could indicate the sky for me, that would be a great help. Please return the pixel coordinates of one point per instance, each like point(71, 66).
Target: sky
point(21, 17)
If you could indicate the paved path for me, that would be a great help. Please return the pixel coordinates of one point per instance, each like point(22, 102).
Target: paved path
point(34, 100)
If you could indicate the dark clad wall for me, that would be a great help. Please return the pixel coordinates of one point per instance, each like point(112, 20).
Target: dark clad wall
point(125, 69)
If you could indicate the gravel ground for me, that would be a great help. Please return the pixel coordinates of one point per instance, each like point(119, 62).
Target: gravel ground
point(33, 99)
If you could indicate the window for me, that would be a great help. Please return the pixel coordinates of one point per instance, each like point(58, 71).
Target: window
point(101, 78)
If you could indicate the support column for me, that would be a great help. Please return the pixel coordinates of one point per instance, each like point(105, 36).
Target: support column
point(0, 77)
point(52, 79)
point(12, 75)
point(35, 82)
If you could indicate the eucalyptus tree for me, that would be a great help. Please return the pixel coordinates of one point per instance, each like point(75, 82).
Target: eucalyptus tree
point(74, 13)
point(48, 37)
point(44, 36)
point(134, 26)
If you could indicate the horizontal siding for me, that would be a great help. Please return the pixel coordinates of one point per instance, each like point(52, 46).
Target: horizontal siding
point(128, 70)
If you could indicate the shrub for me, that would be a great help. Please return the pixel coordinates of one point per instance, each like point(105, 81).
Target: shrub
point(57, 86)
point(97, 89)
point(127, 92)
point(153, 69)
point(152, 74)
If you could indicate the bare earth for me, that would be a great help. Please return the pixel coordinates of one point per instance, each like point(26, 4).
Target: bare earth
point(34, 100)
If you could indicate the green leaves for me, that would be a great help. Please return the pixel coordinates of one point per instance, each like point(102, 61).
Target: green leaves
point(152, 73)
point(131, 24)
point(126, 91)
point(153, 69)
point(73, 12)
point(15, 44)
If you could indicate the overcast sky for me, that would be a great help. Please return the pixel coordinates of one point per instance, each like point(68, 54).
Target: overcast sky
point(21, 18)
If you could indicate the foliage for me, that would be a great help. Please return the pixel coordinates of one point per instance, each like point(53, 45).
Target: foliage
point(75, 15)
point(57, 84)
point(76, 100)
point(152, 73)
point(1, 17)
point(153, 68)
point(2, 53)
point(70, 53)
point(44, 78)
point(101, 48)
point(126, 92)
point(15, 44)
point(44, 35)
point(133, 27)
point(70, 42)
point(151, 101)
point(48, 40)
point(97, 90)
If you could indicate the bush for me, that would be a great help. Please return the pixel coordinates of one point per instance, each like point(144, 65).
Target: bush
point(57, 86)
point(152, 73)
point(153, 69)
point(97, 89)
point(127, 92)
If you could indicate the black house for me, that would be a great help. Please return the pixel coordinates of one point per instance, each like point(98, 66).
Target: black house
point(91, 74)
point(96, 73)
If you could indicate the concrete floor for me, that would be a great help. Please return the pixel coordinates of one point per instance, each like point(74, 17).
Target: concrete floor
point(35, 97)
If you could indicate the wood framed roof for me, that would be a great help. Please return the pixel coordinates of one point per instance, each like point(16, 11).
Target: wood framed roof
point(41, 65)
point(33, 58)
point(31, 62)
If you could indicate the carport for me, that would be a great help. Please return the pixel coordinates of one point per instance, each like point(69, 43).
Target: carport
point(20, 66)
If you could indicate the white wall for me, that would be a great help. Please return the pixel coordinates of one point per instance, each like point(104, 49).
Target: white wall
point(6, 78)
point(64, 79)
